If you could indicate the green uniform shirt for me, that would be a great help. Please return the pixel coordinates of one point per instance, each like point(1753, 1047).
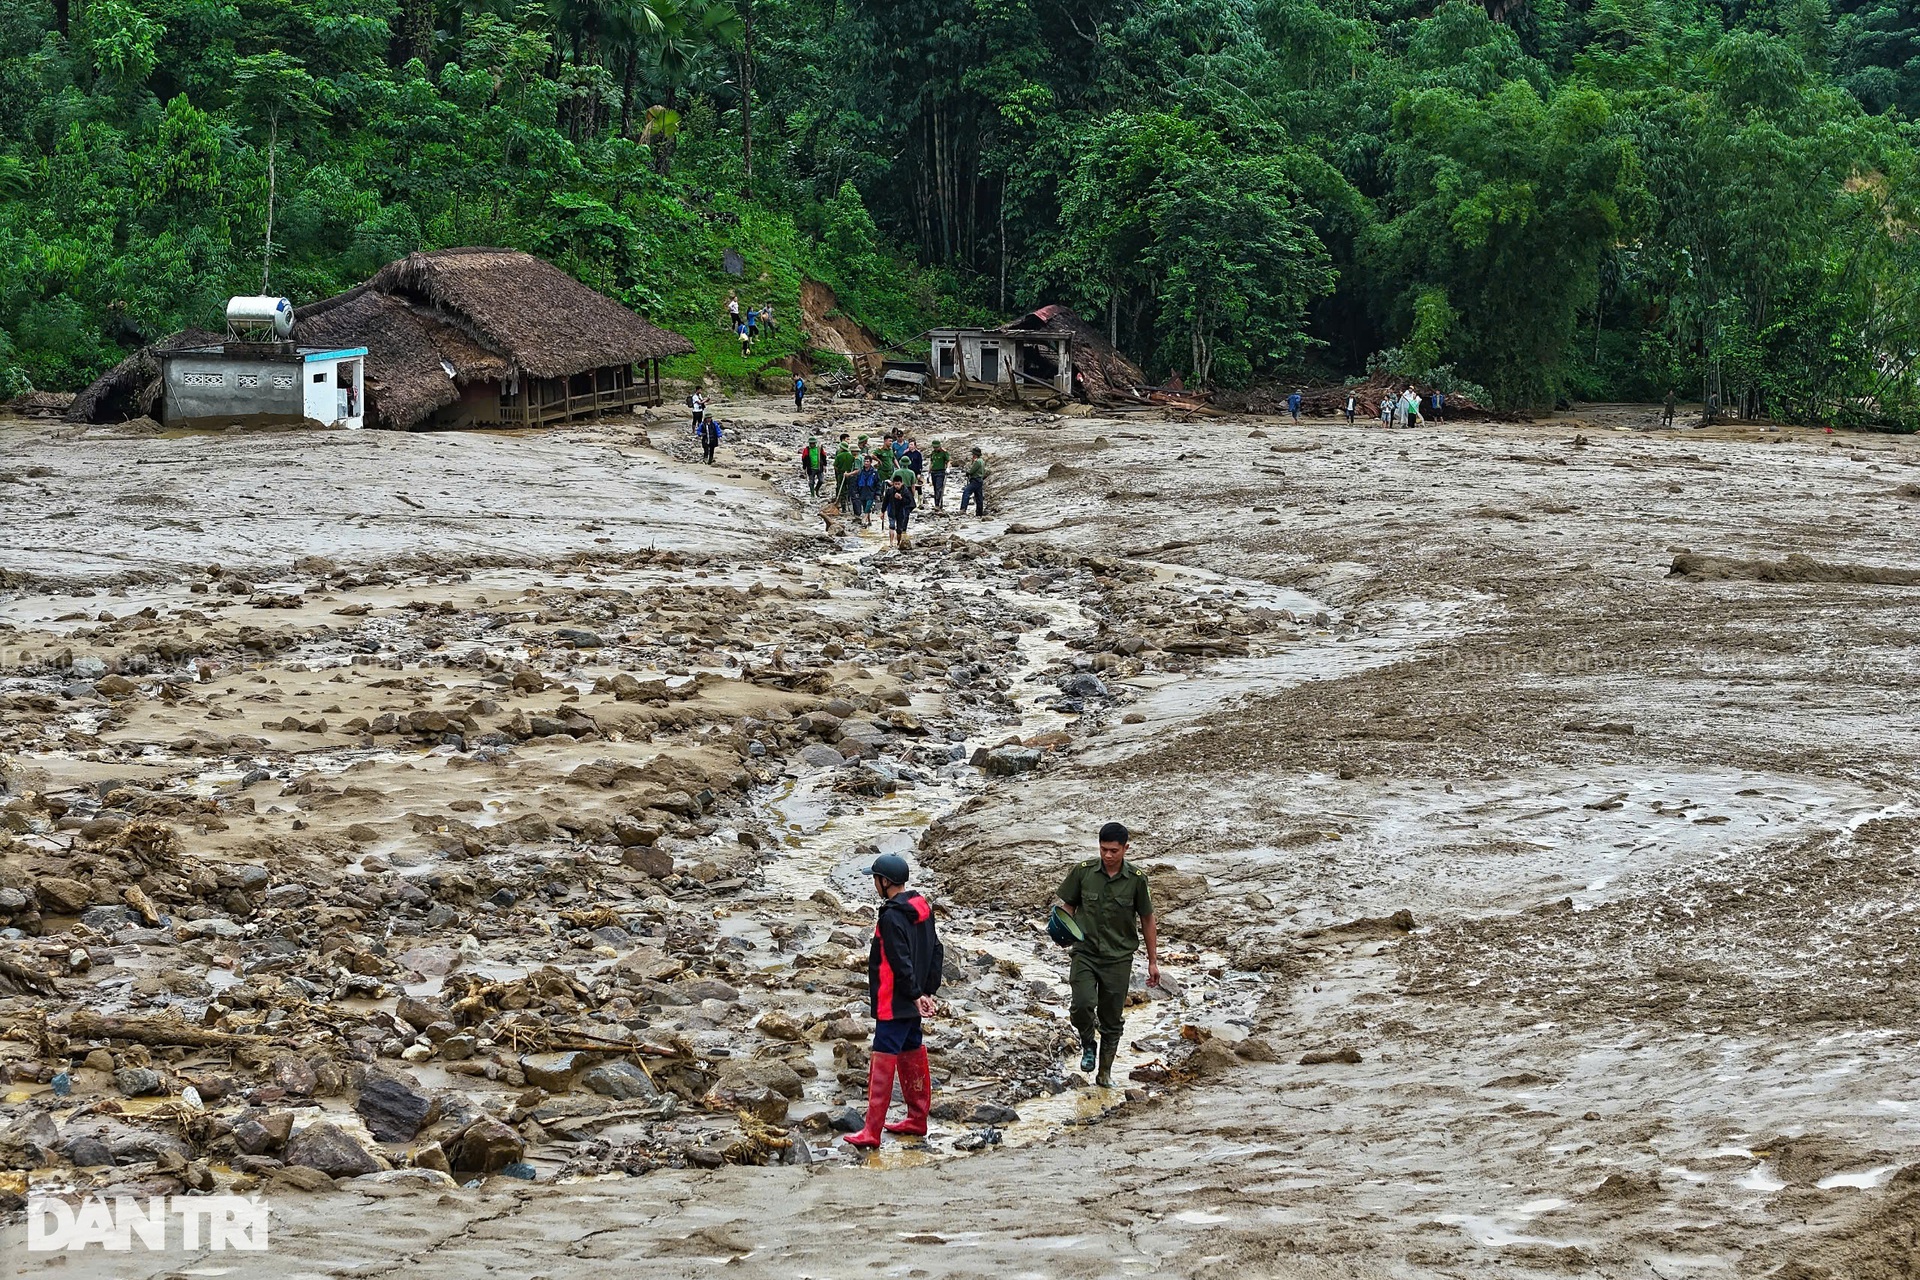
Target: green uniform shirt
point(977, 469)
point(937, 460)
point(843, 462)
point(1107, 908)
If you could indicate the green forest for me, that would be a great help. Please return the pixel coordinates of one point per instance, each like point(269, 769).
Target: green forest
point(1526, 200)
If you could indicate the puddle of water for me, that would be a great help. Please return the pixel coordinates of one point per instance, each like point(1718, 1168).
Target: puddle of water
point(1760, 1178)
point(1865, 1180)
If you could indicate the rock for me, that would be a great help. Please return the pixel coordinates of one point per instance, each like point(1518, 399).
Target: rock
point(248, 877)
point(847, 1120)
point(279, 1126)
point(139, 1082)
point(431, 1156)
point(430, 962)
point(648, 861)
point(294, 1074)
point(301, 1178)
point(1083, 685)
point(1213, 1057)
point(458, 1048)
point(977, 1140)
point(115, 686)
point(519, 1169)
point(62, 896)
point(820, 756)
point(780, 1026)
point(89, 1153)
point(486, 1146)
point(1006, 761)
point(211, 927)
point(757, 1100)
point(1319, 1056)
point(252, 1138)
point(578, 638)
point(770, 1073)
point(621, 1081)
point(394, 1107)
point(35, 1136)
point(197, 1176)
point(421, 1014)
point(992, 1113)
point(554, 1072)
point(332, 1150)
point(1255, 1049)
point(88, 667)
point(697, 989)
point(630, 832)
point(109, 919)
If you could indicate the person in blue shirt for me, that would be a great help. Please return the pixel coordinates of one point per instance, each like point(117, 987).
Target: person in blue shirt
point(866, 490)
point(1439, 407)
point(799, 393)
point(916, 463)
point(1293, 407)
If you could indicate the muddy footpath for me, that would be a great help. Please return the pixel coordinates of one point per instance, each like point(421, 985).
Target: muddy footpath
point(453, 841)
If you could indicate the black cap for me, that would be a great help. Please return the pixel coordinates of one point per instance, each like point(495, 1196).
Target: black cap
point(890, 867)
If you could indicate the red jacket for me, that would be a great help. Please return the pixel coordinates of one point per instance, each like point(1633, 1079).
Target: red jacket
point(904, 959)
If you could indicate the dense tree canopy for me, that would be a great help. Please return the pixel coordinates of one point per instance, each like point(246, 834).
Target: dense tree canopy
point(1537, 198)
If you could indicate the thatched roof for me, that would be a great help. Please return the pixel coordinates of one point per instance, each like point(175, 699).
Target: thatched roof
point(132, 388)
point(1108, 374)
point(538, 316)
point(431, 324)
point(416, 363)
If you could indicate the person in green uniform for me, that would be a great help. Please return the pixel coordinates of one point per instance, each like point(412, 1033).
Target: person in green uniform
point(844, 465)
point(937, 469)
point(1108, 898)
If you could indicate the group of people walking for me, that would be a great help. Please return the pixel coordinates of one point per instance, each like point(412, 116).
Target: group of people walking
point(1111, 906)
point(747, 325)
point(1403, 408)
point(891, 475)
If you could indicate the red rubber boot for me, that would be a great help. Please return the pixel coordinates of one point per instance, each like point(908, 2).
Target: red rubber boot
point(916, 1086)
point(880, 1073)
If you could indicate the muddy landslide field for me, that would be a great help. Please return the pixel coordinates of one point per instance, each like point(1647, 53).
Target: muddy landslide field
point(454, 841)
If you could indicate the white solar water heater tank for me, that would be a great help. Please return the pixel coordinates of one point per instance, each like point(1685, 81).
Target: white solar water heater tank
point(277, 312)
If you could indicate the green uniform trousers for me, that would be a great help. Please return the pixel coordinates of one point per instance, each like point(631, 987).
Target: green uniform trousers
point(1099, 995)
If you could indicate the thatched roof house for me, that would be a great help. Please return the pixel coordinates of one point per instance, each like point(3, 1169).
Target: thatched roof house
point(459, 337)
point(131, 389)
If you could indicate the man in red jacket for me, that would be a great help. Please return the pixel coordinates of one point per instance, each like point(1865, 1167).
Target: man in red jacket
point(903, 974)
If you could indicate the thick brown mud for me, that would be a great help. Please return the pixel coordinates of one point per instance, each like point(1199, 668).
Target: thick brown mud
point(1531, 909)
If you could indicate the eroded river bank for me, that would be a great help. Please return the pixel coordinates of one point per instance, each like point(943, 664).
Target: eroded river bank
point(482, 844)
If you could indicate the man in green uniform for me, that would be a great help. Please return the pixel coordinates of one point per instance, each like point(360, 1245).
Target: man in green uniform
point(1107, 897)
point(844, 465)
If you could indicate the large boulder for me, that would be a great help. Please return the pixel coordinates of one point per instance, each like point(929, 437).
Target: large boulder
point(332, 1150)
point(486, 1146)
point(394, 1106)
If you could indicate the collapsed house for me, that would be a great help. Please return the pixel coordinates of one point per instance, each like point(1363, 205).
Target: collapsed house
point(1045, 357)
point(1102, 374)
point(473, 337)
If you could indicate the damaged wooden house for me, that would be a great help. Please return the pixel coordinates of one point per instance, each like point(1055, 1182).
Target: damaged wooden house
point(474, 337)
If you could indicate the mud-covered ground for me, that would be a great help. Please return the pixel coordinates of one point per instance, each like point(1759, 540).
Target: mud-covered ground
point(467, 826)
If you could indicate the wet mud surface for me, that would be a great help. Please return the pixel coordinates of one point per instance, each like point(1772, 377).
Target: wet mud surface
point(1533, 904)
